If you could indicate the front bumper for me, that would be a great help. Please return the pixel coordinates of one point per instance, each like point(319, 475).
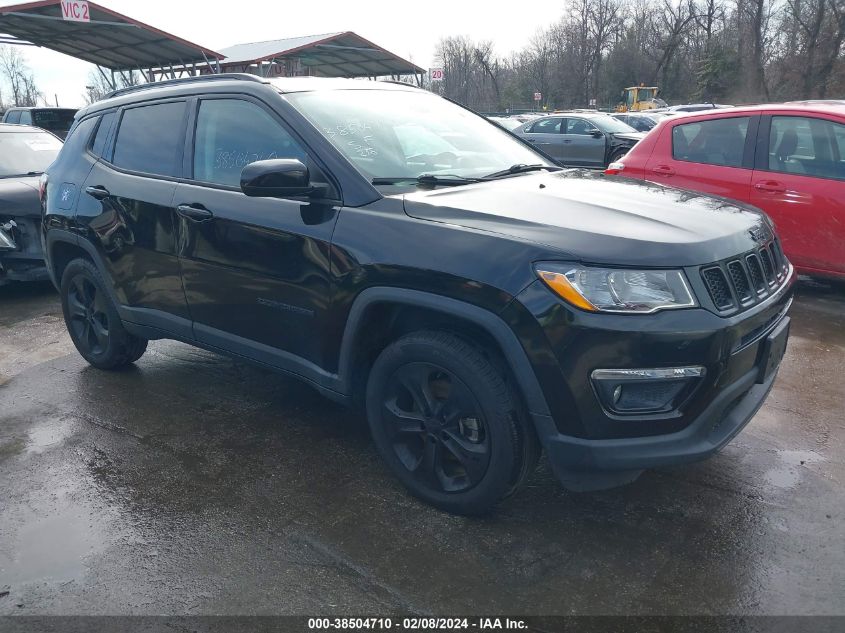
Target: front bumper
point(588, 446)
point(573, 457)
point(21, 253)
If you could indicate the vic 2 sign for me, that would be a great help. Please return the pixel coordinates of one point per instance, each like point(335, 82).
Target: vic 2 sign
point(76, 11)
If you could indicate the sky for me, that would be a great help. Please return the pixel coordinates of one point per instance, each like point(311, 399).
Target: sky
point(411, 30)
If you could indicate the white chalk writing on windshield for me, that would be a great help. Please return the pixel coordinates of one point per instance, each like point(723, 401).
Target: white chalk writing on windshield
point(356, 135)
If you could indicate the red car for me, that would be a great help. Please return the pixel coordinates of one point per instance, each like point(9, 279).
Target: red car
point(788, 160)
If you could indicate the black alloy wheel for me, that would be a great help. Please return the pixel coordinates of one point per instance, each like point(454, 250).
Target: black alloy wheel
point(437, 428)
point(445, 419)
point(89, 321)
point(92, 319)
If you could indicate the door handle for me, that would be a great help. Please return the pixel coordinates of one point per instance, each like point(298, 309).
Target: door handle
point(771, 186)
point(664, 170)
point(531, 140)
point(97, 191)
point(194, 212)
point(567, 140)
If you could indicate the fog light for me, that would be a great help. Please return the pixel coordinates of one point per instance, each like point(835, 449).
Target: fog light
point(645, 391)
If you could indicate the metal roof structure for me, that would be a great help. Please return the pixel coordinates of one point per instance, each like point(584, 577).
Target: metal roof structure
point(106, 38)
point(344, 54)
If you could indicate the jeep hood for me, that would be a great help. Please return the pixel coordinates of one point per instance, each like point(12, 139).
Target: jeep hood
point(588, 217)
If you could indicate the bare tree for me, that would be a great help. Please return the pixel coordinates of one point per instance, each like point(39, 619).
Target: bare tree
point(18, 77)
point(100, 83)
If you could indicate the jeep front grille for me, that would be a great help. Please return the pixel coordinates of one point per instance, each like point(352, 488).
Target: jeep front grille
point(743, 281)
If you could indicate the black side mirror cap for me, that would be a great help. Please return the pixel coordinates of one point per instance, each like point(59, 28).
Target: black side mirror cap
point(596, 134)
point(276, 178)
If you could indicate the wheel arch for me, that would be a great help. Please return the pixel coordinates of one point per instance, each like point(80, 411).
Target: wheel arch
point(370, 302)
point(62, 248)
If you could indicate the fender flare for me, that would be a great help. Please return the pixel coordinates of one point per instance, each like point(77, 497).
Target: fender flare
point(513, 351)
point(64, 236)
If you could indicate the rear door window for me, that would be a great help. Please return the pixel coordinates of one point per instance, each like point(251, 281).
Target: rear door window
point(26, 117)
point(150, 139)
point(807, 146)
point(712, 142)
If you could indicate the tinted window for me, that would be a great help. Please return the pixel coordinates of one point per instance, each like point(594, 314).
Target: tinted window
point(714, 142)
point(27, 152)
point(231, 134)
point(13, 117)
point(99, 144)
point(54, 119)
point(546, 126)
point(150, 139)
point(26, 117)
point(807, 146)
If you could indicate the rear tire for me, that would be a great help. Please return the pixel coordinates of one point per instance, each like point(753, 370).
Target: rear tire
point(445, 421)
point(92, 319)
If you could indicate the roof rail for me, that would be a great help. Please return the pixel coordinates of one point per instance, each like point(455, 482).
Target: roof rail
point(399, 83)
point(183, 80)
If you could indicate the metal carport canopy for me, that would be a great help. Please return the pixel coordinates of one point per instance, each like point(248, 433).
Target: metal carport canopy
point(110, 40)
point(344, 54)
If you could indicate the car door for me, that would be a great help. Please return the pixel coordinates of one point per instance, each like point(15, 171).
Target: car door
point(713, 155)
point(255, 270)
point(583, 143)
point(545, 134)
point(126, 210)
point(799, 181)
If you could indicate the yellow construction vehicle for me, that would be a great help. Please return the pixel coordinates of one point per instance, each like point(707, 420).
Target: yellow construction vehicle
point(639, 98)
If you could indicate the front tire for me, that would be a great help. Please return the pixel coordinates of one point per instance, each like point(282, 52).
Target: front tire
point(447, 424)
point(617, 155)
point(92, 319)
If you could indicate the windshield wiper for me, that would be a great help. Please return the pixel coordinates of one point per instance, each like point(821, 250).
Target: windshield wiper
point(446, 180)
point(520, 168)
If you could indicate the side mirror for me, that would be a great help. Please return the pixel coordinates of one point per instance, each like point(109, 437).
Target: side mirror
point(597, 134)
point(277, 178)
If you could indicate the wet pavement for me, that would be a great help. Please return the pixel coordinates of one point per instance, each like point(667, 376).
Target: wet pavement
point(192, 484)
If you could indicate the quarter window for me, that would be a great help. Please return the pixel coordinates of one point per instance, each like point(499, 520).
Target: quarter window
point(150, 139)
point(232, 133)
point(807, 146)
point(714, 142)
point(99, 144)
point(26, 117)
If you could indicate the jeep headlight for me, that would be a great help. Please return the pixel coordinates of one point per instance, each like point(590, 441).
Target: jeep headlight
point(617, 289)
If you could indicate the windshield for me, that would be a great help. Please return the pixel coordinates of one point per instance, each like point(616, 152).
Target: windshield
point(607, 123)
point(53, 119)
point(23, 153)
point(405, 134)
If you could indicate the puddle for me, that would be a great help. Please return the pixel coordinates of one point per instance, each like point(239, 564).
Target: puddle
point(11, 446)
point(48, 433)
point(789, 471)
point(52, 549)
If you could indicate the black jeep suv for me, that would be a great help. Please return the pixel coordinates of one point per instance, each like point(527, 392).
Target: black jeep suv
point(397, 251)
